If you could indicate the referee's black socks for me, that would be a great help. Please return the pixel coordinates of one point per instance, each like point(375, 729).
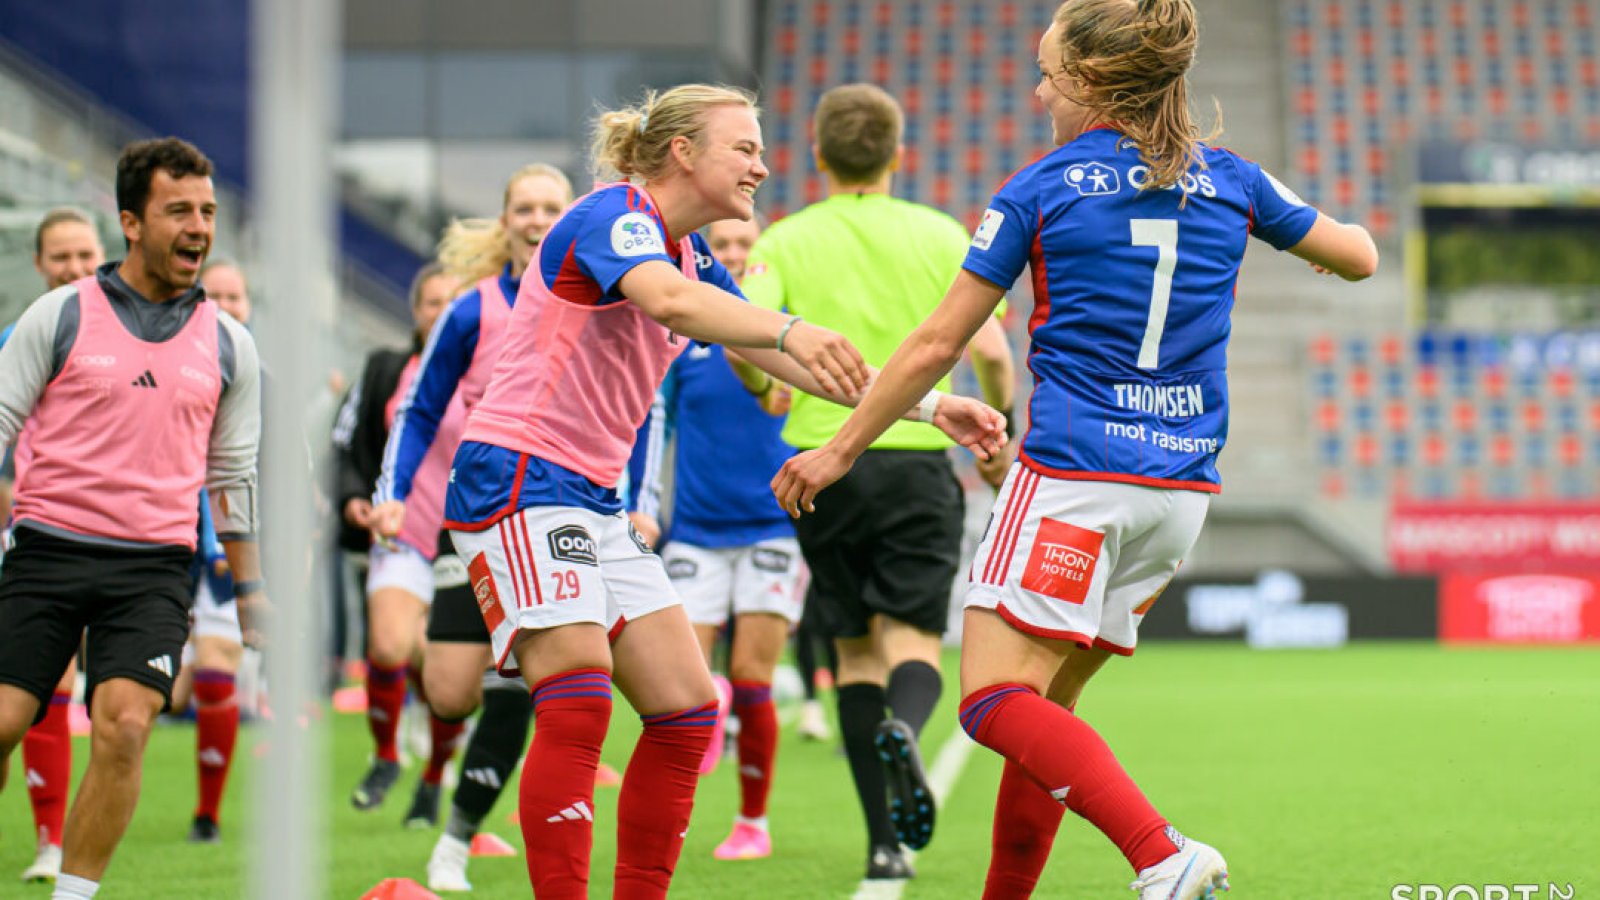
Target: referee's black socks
point(491, 757)
point(913, 692)
point(861, 710)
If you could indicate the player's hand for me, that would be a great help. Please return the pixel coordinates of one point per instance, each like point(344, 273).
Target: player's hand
point(358, 512)
point(1320, 270)
point(830, 358)
point(993, 470)
point(777, 399)
point(971, 423)
point(805, 475)
point(255, 617)
point(386, 521)
point(646, 527)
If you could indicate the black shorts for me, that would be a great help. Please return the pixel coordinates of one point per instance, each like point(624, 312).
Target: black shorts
point(885, 540)
point(134, 603)
point(454, 617)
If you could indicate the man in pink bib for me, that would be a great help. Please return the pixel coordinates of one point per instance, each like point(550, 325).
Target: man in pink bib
point(134, 393)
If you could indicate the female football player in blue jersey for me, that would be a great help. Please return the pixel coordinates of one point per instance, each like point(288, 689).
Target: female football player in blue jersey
point(1134, 229)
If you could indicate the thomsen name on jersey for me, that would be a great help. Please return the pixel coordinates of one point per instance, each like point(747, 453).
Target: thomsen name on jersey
point(1176, 401)
point(1173, 442)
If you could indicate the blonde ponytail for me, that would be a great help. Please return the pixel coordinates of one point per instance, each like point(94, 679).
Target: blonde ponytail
point(636, 141)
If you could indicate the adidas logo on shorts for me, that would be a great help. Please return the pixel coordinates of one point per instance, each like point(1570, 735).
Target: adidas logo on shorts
point(162, 664)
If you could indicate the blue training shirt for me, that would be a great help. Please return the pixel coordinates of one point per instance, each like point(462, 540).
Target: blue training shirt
point(1132, 303)
point(728, 451)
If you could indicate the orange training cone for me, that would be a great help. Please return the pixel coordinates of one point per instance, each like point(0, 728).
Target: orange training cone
point(399, 889)
point(487, 843)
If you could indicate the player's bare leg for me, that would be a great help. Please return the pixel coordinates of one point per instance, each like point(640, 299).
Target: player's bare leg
point(122, 713)
point(452, 674)
point(17, 709)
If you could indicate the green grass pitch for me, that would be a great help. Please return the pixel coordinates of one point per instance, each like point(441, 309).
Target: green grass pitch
point(1318, 774)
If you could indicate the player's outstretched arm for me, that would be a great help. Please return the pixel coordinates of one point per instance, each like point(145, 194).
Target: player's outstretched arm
point(911, 372)
point(707, 313)
point(1345, 250)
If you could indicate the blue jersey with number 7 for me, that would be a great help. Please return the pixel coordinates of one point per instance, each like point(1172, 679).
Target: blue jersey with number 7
point(1132, 299)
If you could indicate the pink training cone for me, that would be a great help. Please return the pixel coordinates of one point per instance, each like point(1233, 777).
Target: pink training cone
point(486, 843)
point(350, 700)
point(399, 889)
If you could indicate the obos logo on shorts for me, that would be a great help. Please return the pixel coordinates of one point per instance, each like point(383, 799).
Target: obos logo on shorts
point(767, 559)
point(635, 234)
point(483, 591)
point(680, 568)
point(1061, 564)
point(572, 543)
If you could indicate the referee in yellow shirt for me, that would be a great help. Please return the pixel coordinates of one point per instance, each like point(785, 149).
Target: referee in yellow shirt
point(885, 542)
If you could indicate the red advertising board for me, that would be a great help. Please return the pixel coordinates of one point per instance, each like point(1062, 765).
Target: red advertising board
point(1527, 608)
point(1518, 537)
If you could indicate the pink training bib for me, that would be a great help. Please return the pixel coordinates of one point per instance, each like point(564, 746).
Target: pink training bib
point(573, 383)
point(425, 505)
point(118, 439)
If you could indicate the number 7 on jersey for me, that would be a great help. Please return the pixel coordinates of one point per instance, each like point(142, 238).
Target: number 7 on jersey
point(1163, 235)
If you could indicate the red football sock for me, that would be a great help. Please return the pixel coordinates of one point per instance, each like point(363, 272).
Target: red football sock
point(445, 735)
point(657, 798)
point(1026, 819)
point(555, 801)
point(386, 693)
point(47, 761)
point(216, 720)
point(1022, 836)
point(1062, 754)
point(758, 744)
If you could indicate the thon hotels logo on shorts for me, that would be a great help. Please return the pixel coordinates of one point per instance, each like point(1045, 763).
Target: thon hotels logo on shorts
point(572, 543)
point(1092, 179)
point(483, 591)
point(636, 234)
point(1061, 564)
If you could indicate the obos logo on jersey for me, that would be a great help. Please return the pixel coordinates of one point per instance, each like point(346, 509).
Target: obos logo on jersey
point(1092, 179)
point(1061, 564)
point(572, 543)
point(634, 234)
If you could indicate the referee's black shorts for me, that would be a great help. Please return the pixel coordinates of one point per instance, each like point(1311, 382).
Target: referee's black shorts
point(134, 603)
point(885, 540)
point(454, 616)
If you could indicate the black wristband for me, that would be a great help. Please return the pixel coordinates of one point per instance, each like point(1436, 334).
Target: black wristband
point(1011, 421)
point(245, 588)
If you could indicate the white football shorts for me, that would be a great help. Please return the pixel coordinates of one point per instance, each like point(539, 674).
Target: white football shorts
point(1081, 560)
point(766, 577)
point(546, 566)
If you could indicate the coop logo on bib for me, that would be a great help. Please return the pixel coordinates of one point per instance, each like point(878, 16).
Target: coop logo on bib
point(1062, 561)
point(573, 544)
point(635, 234)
